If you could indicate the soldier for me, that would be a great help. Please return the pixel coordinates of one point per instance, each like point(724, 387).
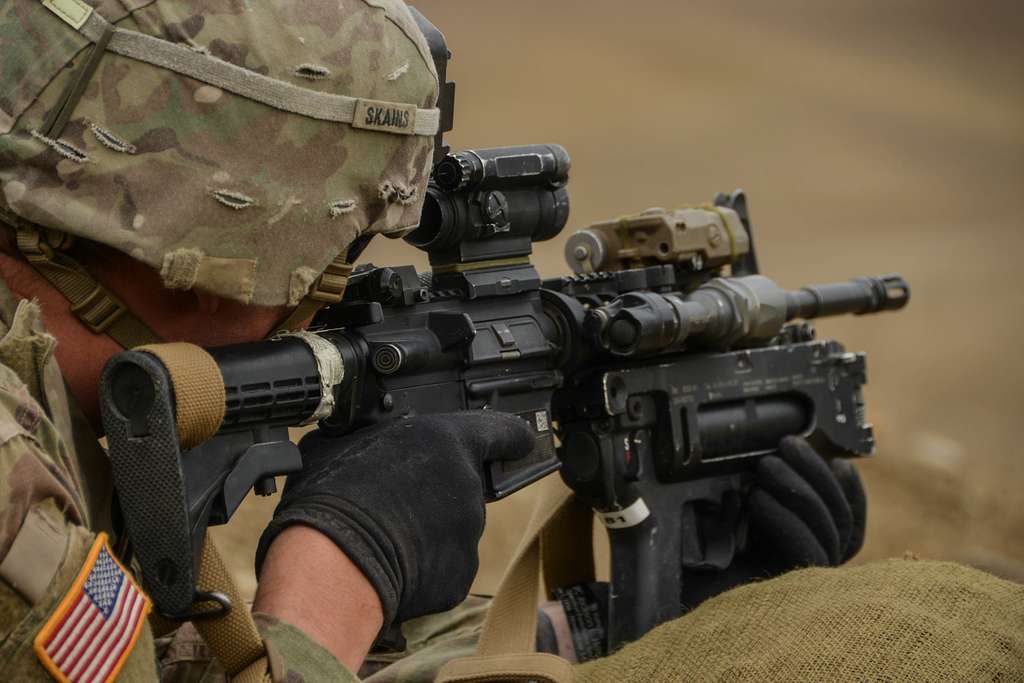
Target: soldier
point(199, 173)
point(177, 172)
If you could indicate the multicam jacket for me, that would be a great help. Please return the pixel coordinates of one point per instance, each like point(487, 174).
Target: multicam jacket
point(55, 484)
point(55, 498)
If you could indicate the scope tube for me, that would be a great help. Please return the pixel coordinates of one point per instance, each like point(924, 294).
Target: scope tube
point(449, 219)
point(503, 168)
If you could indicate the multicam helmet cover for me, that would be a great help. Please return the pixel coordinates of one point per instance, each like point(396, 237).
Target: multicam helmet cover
point(236, 146)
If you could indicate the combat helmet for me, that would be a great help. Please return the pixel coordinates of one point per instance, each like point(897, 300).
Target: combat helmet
point(239, 148)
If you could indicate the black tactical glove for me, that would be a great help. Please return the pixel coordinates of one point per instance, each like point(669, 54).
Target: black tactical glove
point(404, 501)
point(801, 511)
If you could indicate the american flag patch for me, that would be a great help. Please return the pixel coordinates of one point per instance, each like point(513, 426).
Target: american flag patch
point(92, 632)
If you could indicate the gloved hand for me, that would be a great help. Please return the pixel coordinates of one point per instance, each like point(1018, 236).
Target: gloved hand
point(801, 511)
point(404, 501)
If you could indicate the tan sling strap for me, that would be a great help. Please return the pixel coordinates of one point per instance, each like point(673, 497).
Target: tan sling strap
point(199, 403)
point(96, 306)
point(233, 638)
point(567, 547)
point(326, 290)
point(506, 651)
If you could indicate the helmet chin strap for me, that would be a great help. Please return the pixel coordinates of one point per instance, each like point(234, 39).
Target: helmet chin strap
point(103, 312)
point(92, 303)
point(326, 290)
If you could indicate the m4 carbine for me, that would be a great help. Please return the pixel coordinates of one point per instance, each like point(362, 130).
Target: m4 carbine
point(654, 377)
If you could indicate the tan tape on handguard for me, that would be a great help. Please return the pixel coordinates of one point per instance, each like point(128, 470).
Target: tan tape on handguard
point(506, 650)
point(199, 408)
point(198, 390)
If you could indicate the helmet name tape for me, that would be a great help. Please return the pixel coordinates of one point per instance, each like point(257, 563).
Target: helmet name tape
point(385, 116)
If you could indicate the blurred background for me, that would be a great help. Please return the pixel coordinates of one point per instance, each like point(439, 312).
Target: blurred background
point(871, 137)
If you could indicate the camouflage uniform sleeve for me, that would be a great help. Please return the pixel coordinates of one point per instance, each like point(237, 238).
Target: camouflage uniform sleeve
point(431, 642)
point(39, 490)
point(35, 464)
point(294, 656)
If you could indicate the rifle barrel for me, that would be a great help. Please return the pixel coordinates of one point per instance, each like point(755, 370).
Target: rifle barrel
point(857, 296)
point(725, 312)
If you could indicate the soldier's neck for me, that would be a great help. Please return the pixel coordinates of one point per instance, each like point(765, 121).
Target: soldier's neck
point(174, 315)
point(80, 353)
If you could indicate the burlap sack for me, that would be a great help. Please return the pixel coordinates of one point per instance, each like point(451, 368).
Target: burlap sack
point(896, 620)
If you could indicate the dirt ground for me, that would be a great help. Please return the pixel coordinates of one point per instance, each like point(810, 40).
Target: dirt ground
point(870, 137)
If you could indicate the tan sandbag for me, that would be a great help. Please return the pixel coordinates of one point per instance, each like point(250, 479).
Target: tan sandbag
point(896, 620)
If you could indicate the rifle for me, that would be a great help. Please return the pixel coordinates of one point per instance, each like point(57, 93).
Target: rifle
point(651, 378)
point(654, 377)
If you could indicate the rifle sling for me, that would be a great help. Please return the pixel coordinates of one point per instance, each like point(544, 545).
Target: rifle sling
point(233, 638)
point(506, 649)
point(199, 399)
